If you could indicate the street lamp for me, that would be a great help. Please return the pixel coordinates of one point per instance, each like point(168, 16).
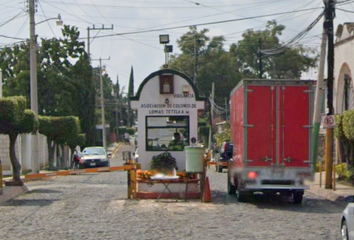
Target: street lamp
point(164, 39)
point(59, 22)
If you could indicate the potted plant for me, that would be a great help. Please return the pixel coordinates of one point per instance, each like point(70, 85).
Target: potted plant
point(163, 163)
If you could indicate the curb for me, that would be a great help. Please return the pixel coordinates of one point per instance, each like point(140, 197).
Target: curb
point(328, 194)
point(12, 192)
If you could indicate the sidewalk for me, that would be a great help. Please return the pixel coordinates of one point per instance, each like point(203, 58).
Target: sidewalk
point(337, 195)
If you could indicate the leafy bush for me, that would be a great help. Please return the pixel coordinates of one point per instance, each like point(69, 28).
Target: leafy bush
point(131, 131)
point(343, 172)
point(163, 163)
point(122, 130)
point(348, 124)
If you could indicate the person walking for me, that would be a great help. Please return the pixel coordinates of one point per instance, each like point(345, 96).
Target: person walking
point(126, 137)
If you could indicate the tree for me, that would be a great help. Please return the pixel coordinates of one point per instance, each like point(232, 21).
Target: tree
point(130, 93)
point(289, 64)
point(16, 119)
point(214, 63)
point(65, 83)
point(60, 130)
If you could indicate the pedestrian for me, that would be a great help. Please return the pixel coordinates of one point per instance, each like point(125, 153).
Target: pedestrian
point(126, 137)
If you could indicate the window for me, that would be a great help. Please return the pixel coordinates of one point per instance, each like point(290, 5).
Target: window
point(166, 84)
point(169, 133)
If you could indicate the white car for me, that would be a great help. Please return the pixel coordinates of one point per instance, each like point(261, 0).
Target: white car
point(347, 226)
point(95, 157)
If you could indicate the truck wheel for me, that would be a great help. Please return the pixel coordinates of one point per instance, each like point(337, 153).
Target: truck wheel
point(219, 169)
point(231, 189)
point(216, 168)
point(297, 196)
point(241, 196)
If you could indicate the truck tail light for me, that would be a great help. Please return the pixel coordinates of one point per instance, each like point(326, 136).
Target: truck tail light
point(252, 175)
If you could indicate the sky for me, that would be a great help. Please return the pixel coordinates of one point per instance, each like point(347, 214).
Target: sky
point(134, 40)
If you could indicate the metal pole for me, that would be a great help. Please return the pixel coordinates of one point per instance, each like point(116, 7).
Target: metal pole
point(318, 98)
point(88, 43)
point(102, 109)
point(33, 85)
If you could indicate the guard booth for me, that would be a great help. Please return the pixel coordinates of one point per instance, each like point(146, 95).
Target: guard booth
point(167, 105)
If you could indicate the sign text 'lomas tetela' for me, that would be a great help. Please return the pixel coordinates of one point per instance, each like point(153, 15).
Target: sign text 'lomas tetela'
point(170, 108)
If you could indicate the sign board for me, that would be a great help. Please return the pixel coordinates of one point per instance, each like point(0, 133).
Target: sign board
point(328, 121)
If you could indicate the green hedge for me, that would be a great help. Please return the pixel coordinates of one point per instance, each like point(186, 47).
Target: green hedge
point(122, 130)
point(348, 124)
point(60, 129)
point(131, 131)
point(14, 117)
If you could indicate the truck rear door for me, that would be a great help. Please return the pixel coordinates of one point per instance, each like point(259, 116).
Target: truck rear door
point(260, 134)
point(277, 129)
point(295, 126)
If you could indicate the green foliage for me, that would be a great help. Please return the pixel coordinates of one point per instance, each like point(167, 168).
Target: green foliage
point(60, 129)
point(122, 130)
point(163, 163)
point(131, 131)
point(14, 118)
point(204, 131)
point(223, 137)
point(65, 81)
point(287, 65)
point(202, 122)
point(343, 172)
point(348, 124)
point(338, 131)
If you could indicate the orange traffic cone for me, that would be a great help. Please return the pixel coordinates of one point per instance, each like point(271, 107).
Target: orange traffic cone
point(206, 192)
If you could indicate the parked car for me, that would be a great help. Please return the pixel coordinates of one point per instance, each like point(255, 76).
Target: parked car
point(347, 225)
point(225, 154)
point(95, 157)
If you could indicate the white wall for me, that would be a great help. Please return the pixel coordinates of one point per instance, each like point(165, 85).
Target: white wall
point(23, 152)
point(343, 63)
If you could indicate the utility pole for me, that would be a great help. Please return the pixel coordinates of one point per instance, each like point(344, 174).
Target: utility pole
point(33, 80)
point(0, 83)
point(318, 98)
point(196, 41)
point(260, 63)
point(117, 96)
point(211, 115)
point(88, 36)
point(104, 141)
point(328, 25)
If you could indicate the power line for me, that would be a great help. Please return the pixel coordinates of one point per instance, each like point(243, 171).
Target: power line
point(293, 41)
point(203, 24)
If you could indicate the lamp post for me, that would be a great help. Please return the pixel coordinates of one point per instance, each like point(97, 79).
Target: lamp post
point(164, 39)
point(33, 77)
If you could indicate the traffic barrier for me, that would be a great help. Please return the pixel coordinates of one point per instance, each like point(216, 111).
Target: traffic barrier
point(80, 171)
point(206, 192)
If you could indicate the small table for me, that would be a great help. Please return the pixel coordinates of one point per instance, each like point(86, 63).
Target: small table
point(165, 180)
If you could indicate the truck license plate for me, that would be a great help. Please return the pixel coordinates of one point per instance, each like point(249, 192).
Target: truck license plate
point(92, 164)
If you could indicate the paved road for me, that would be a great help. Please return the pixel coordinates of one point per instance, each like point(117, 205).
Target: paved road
point(94, 206)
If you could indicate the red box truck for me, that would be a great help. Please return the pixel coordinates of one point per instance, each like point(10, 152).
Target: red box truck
point(271, 125)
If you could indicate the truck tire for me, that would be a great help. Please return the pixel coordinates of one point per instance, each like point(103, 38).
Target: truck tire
point(216, 167)
point(241, 196)
point(297, 197)
point(219, 169)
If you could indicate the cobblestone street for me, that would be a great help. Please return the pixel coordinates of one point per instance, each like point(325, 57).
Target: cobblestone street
point(95, 206)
